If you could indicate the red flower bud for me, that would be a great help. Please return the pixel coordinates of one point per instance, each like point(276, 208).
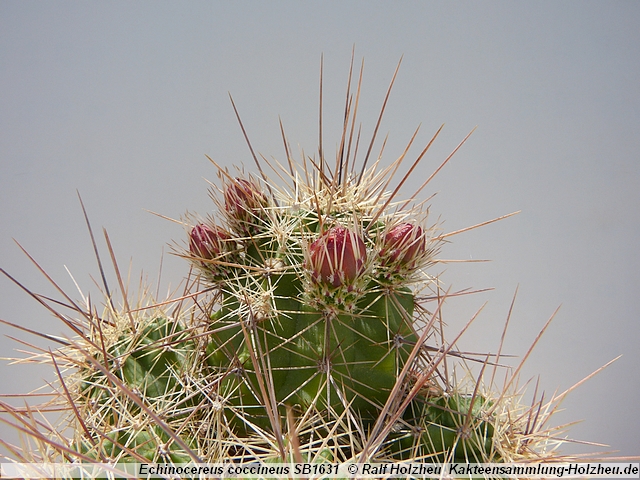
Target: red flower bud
point(403, 244)
point(337, 257)
point(206, 242)
point(244, 200)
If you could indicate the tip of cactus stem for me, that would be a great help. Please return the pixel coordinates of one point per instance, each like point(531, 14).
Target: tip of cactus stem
point(337, 257)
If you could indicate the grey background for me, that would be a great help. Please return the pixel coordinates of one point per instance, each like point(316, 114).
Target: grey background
point(122, 100)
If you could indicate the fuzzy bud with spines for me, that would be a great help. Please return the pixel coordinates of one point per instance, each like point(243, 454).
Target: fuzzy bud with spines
point(245, 204)
point(337, 257)
point(206, 242)
point(403, 245)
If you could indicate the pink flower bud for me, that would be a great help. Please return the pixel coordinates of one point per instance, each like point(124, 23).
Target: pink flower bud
point(206, 242)
point(244, 200)
point(337, 257)
point(403, 244)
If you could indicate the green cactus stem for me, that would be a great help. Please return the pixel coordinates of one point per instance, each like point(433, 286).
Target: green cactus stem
point(309, 308)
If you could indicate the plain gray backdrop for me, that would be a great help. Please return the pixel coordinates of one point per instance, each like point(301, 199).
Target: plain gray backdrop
point(122, 100)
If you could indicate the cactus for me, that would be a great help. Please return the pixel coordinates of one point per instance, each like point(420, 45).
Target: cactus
point(310, 330)
point(310, 306)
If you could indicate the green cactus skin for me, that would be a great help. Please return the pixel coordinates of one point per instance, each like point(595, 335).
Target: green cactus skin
point(362, 353)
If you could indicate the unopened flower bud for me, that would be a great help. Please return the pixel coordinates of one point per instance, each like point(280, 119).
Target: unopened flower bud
point(337, 257)
point(206, 242)
point(403, 244)
point(244, 201)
